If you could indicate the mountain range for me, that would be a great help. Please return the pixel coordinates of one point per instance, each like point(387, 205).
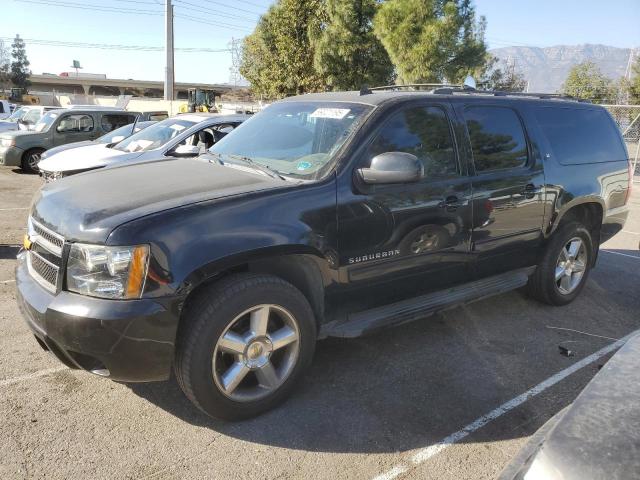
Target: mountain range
point(546, 68)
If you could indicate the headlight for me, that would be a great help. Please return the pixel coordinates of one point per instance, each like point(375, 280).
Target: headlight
point(107, 272)
point(8, 142)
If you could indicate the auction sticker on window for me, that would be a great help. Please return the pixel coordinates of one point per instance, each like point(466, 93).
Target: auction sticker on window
point(337, 113)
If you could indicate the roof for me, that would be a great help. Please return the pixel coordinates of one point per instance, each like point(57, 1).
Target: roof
point(378, 97)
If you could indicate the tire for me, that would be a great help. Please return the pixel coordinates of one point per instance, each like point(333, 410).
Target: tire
point(30, 160)
point(544, 285)
point(208, 344)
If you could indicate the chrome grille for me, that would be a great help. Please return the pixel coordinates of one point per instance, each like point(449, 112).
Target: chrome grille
point(45, 256)
point(48, 239)
point(45, 272)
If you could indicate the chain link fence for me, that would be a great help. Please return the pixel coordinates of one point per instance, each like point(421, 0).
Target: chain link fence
point(628, 119)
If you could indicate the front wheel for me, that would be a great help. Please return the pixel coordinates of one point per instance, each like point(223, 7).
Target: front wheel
point(31, 159)
point(244, 344)
point(565, 266)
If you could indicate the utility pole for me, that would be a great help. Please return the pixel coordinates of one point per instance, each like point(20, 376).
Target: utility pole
point(168, 69)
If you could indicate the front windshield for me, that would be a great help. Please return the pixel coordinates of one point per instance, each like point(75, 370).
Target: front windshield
point(123, 132)
point(294, 138)
point(154, 136)
point(46, 121)
point(17, 114)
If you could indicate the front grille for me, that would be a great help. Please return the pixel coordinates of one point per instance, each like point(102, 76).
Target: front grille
point(45, 255)
point(43, 271)
point(48, 236)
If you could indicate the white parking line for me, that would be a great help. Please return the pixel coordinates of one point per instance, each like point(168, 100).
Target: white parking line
point(15, 208)
point(22, 378)
point(623, 254)
point(632, 233)
point(7, 281)
point(425, 454)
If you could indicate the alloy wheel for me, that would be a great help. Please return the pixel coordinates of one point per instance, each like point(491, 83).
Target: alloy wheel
point(571, 266)
point(256, 353)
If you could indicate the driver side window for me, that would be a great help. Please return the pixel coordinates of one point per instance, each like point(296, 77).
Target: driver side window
point(423, 132)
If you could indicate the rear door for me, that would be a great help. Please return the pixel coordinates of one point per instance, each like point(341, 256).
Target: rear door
point(408, 238)
point(111, 121)
point(508, 186)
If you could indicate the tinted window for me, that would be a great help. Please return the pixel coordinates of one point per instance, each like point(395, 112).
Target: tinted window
point(112, 121)
point(580, 135)
point(423, 132)
point(158, 116)
point(497, 138)
point(76, 123)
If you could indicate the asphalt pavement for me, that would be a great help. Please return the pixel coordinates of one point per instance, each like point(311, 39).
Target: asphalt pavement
point(453, 396)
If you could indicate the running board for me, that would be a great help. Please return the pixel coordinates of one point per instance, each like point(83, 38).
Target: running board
point(360, 323)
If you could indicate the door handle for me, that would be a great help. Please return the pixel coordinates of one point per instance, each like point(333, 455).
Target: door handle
point(451, 203)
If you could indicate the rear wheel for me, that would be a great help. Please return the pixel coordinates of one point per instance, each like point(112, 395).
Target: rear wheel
point(31, 159)
point(244, 344)
point(565, 266)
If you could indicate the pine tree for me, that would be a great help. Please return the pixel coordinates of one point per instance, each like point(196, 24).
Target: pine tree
point(5, 67)
point(20, 72)
point(586, 81)
point(347, 53)
point(277, 58)
point(431, 40)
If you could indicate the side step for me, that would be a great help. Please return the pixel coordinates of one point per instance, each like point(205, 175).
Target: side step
point(360, 323)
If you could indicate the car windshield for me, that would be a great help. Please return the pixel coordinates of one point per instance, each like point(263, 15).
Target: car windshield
point(293, 138)
point(154, 136)
point(17, 114)
point(122, 132)
point(46, 121)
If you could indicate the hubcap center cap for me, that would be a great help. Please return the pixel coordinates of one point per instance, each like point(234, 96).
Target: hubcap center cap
point(257, 352)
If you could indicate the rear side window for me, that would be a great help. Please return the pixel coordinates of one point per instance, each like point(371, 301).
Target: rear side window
point(580, 135)
point(112, 121)
point(497, 138)
point(423, 132)
point(76, 123)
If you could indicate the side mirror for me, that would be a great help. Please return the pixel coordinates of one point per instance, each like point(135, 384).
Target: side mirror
point(392, 167)
point(185, 151)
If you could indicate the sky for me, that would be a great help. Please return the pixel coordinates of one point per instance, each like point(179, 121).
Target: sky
point(54, 28)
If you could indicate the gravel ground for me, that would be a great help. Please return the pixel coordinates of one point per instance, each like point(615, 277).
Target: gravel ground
point(366, 407)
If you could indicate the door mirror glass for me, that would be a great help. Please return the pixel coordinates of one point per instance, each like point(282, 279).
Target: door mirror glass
point(185, 151)
point(392, 167)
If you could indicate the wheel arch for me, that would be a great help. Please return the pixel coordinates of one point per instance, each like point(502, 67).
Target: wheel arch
point(302, 266)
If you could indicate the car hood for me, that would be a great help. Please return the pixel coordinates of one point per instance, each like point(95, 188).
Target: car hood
point(68, 146)
point(19, 133)
point(88, 206)
point(8, 126)
point(81, 158)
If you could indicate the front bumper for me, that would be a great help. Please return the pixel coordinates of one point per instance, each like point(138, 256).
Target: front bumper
point(126, 340)
point(11, 156)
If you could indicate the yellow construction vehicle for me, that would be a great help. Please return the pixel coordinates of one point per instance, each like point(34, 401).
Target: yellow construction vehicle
point(18, 97)
point(200, 100)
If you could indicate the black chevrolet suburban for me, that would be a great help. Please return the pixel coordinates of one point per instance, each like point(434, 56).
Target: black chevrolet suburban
point(332, 214)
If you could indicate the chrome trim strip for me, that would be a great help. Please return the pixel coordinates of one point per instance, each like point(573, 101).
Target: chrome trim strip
point(44, 242)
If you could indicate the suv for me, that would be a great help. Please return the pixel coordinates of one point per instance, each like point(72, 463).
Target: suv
point(332, 214)
point(58, 127)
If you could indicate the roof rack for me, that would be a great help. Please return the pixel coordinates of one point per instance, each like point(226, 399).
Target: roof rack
point(500, 93)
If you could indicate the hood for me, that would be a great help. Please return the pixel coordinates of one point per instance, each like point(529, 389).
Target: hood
point(68, 146)
point(19, 133)
point(88, 206)
point(81, 158)
point(8, 126)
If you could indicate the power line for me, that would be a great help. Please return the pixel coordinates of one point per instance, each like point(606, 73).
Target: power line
point(104, 46)
point(213, 24)
point(222, 5)
point(82, 6)
point(221, 14)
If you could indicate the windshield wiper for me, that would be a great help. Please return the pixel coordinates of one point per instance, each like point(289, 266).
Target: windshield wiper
point(258, 166)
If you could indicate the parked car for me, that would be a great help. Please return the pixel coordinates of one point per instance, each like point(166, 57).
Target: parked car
point(594, 438)
point(113, 137)
point(182, 136)
point(333, 214)
point(156, 116)
point(24, 118)
point(58, 127)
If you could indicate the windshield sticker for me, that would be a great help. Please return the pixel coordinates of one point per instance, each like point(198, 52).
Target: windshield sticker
point(337, 113)
point(303, 166)
point(177, 127)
